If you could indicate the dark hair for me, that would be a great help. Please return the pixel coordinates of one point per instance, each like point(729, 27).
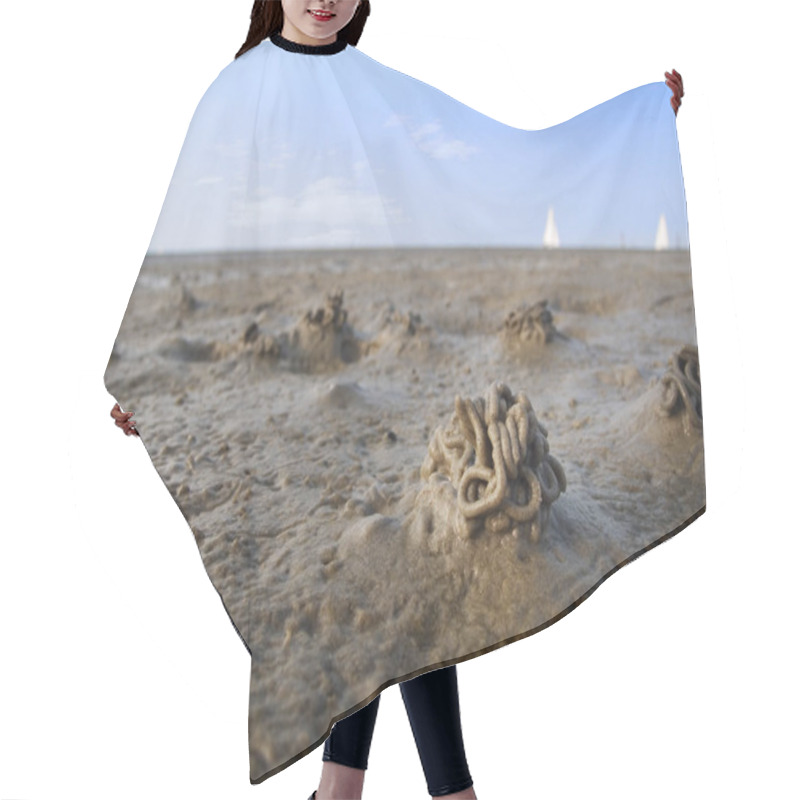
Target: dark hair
point(266, 18)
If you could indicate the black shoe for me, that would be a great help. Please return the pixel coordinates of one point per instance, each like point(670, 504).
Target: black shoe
point(313, 795)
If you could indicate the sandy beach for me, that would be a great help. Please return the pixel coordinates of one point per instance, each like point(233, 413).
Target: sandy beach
point(299, 407)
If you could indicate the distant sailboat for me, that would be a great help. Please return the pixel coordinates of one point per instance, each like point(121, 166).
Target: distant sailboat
point(550, 231)
point(662, 237)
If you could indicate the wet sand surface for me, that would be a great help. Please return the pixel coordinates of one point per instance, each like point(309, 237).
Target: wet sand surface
point(290, 400)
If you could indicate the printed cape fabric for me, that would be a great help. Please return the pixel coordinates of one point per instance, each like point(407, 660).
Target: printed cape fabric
point(418, 381)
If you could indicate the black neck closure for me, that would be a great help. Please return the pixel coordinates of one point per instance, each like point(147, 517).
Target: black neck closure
point(308, 49)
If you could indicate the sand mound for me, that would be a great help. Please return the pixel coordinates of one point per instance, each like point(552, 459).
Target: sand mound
point(342, 394)
point(529, 326)
point(320, 341)
point(494, 455)
point(400, 333)
point(680, 390)
point(323, 337)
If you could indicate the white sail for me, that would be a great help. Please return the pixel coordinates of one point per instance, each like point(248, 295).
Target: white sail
point(662, 237)
point(550, 238)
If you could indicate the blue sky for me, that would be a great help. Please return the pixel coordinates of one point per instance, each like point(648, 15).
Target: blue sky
point(294, 151)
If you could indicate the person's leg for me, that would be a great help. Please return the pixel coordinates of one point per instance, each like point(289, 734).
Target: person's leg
point(433, 710)
point(346, 753)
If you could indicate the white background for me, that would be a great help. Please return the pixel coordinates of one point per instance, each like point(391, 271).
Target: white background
point(121, 676)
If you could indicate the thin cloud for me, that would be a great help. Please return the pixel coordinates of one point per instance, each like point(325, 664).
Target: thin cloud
point(431, 139)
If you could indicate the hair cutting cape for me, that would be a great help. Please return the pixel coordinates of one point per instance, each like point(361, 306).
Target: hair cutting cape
point(418, 381)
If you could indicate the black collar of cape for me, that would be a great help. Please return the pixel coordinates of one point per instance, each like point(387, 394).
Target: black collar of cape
point(308, 49)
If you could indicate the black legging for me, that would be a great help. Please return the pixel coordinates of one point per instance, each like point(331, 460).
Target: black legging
point(432, 705)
